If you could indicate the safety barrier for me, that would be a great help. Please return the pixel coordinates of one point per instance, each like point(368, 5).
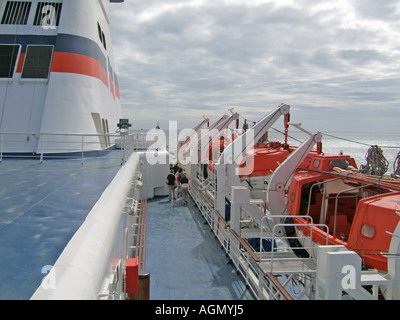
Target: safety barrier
point(70, 146)
point(255, 267)
point(92, 264)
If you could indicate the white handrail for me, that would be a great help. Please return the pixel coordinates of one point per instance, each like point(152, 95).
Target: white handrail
point(81, 269)
point(64, 145)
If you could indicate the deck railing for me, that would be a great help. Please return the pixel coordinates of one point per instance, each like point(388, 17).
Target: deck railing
point(70, 145)
point(91, 265)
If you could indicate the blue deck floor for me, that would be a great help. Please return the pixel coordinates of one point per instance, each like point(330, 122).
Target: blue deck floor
point(41, 207)
point(185, 260)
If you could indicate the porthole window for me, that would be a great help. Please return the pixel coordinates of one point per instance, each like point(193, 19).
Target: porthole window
point(367, 231)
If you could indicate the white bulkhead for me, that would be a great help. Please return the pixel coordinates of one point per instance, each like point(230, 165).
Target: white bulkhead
point(57, 76)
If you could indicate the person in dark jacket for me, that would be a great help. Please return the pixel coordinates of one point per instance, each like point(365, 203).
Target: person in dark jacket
point(171, 182)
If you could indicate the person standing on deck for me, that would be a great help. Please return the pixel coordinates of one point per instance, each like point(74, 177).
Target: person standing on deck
point(185, 188)
point(171, 182)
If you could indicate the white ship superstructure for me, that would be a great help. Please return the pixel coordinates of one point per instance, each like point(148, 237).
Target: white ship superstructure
point(290, 219)
point(80, 226)
point(57, 76)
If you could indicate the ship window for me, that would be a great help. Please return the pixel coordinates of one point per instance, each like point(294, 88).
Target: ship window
point(47, 14)
point(37, 62)
point(104, 40)
point(8, 59)
point(99, 30)
point(16, 12)
point(102, 36)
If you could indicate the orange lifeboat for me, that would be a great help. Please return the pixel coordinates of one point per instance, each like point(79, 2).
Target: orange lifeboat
point(262, 160)
point(214, 151)
point(359, 211)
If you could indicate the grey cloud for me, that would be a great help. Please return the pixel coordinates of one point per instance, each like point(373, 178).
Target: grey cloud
point(194, 60)
point(383, 9)
point(361, 57)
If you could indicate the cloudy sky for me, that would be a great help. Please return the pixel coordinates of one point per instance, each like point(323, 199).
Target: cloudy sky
point(336, 63)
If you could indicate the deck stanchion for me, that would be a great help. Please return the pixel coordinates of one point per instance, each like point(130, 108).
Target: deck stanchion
point(144, 285)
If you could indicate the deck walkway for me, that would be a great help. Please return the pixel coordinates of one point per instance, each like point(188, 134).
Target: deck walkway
point(184, 258)
point(41, 207)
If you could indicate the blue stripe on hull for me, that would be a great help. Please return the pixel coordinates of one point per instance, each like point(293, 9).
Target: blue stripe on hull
point(62, 42)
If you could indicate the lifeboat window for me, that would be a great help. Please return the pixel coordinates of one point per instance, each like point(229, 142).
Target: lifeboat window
point(47, 14)
point(341, 163)
point(37, 62)
point(16, 12)
point(367, 231)
point(8, 59)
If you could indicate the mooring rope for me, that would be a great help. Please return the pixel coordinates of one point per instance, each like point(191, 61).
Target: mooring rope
point(377, 164)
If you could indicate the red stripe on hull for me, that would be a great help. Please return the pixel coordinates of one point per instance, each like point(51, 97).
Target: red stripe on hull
point(79, 64)
point(111, 86)
point(117, 92)
point(20, 62)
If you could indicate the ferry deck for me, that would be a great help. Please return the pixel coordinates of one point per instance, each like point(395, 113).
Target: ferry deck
point(42, 205)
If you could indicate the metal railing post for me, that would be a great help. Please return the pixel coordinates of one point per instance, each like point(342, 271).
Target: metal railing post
point(1, 147)
point(83, 138)
point(42, 149)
